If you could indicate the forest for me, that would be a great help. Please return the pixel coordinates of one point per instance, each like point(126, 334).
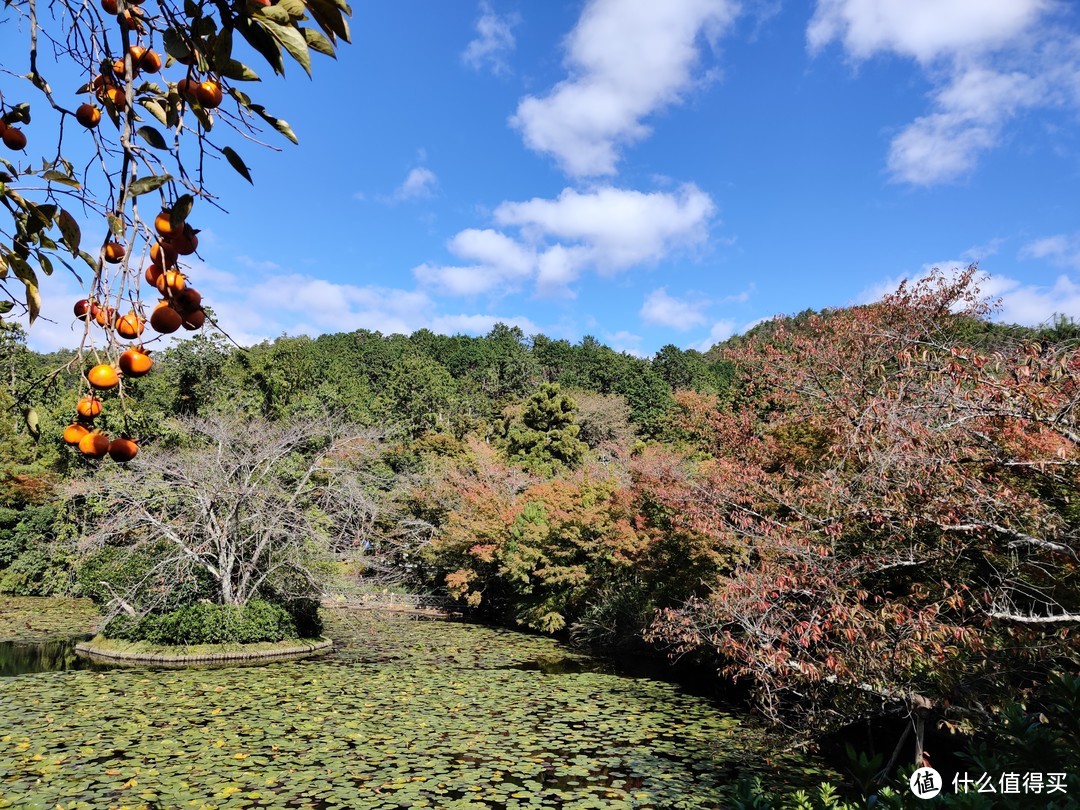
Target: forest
point(850, 514)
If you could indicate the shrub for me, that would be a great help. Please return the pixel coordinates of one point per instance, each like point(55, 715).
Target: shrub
point(204, 623)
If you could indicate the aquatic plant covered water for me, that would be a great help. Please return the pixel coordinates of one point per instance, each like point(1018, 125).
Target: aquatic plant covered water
point(406, 713)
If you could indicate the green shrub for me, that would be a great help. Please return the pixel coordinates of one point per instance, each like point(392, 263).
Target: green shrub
point(131, 573)
point(204, 623)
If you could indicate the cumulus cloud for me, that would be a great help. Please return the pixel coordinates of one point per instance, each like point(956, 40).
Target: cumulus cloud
point(617, 228)
point(972, 111)
point(606, 229)
point(989, 62)
point(494, 41)
point(1060, 249)
point(420, 183)
point(720, 331)
point(922, 29)
point(626, 60)
point(677, 313)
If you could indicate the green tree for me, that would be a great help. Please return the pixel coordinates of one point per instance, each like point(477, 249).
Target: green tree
point(543, 437)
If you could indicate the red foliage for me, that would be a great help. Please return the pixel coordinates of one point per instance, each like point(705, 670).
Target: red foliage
point(897, 503)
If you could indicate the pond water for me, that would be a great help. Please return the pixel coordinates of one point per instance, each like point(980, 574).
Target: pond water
point(404, 713)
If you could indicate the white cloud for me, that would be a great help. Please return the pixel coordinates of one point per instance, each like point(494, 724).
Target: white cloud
point(922, 29)
point(988, 61)
point(623, 341)
point(494, 41)
point(677, 313)
point(606, 229)
point(973, 109)
point(479, 324)
point(1061, 249)
point(626, 60)
point(720, 331)
point(618, 228)
point(418, 184)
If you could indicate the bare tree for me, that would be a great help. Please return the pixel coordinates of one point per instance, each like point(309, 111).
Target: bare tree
point(247, 504)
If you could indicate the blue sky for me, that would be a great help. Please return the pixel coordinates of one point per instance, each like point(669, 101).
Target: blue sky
point(648, 173)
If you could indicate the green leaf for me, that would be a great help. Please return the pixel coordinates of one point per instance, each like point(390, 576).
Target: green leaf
point(206, 120)
point(6, 306)
point(46, 264)
point(330, 18)
point(69, 231)
point(223, 48)
point(19, 114)
point(317, 42)
point(293, 41)
point(59, 177)
point(152, 137)
point(147, 184)
point(153, 106)
point(295, 8)
point(31, 417)
point(239, 72)
point(175, 45)
point(181, 210)
point(116, 225)
point(90, 260)
point(237, 163)
point(29, 279)
point(277, 123)
point(273, 13)
point(265, 44)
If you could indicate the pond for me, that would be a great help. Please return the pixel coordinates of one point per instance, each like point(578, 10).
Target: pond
point(405, 713)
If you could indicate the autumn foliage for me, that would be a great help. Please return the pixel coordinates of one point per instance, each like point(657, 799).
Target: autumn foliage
point(879, 517)
point(903, 502)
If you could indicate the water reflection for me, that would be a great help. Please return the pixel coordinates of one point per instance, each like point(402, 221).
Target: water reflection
point(54, 655)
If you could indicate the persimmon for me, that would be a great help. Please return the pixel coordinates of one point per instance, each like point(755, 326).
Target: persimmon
point(88, 115)
point(135, 363)
point(14, 139)
point(88, 407)
point(150, 62)
point(109, 6)
point(171, 281)
point(94, 445)
point(129, 326)
point(209, 94)
point(103, 315)
point(194, 320)
point(165, 319)
point(114, 252)
point(163, 225)
point(122, 450)
point(120, 69)
point(73, 433)
point(82, 307)
point(189, 88)
point(187, 300)
point(186, 242)
point(117, 97)
point(3, 126)
point(163, 255)
point(103, 376)
point(151, 274)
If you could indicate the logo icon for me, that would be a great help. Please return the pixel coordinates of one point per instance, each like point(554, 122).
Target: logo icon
point(925, 783)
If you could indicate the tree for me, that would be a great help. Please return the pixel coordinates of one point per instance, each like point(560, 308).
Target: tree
point(167, 75)
point(904, 509)
point(248, 506)
point(543, 435)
